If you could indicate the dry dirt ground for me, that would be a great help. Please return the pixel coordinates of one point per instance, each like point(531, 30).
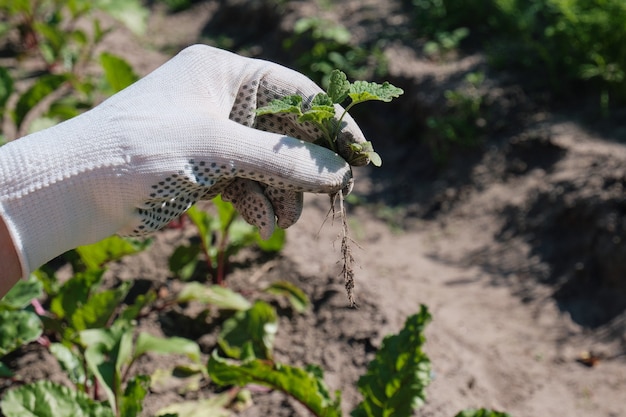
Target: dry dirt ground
point(516, 247)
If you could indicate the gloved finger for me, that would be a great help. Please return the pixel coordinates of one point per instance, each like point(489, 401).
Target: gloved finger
point(249, 200)
point(263, 206)
point(235, 151)
point(287, 205)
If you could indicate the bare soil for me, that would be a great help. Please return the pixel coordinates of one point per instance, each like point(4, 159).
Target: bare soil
point(516, 246)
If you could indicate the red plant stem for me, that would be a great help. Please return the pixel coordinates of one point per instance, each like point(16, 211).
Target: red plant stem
point(38, 307)
point(221, 263)
point(207, 255)
point(221, 251)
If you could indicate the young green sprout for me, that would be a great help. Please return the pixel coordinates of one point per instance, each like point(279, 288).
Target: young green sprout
point(321, 113)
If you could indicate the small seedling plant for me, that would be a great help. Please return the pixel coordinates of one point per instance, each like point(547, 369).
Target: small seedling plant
point(322, 113)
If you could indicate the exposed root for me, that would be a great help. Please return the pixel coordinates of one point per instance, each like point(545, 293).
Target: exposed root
point(347, 269)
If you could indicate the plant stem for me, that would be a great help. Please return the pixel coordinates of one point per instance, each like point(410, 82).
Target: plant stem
point(221, 250)
point(207, 255)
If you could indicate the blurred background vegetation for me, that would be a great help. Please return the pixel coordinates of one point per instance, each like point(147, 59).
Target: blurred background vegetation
point(565, 49)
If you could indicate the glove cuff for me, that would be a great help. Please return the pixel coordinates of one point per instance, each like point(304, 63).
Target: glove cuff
point(54, 183)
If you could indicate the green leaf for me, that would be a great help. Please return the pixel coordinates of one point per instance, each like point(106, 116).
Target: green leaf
point(100, 364)
point(108, 337)
point(6, 86)
point(123, 351)
point(5, 372)
point(226, 212)
point(129, 12)
point(184, 260)
point(256, 326)
point(147, 343)
point(287, 104)
point(119, 74)
point(216, 295)
point(17, 328)
point(130, 312)
point(70, 362)
point(305, 385)
point(375, 159)
point(214, 407)
point(361, 91)
point(396, 379)
point(41, 123)
point(338, 87)
point(107, 350)
point(203, 222)
point(75, 293)
point(131, 403)
point(481, 413)
point(274, 244)
point(47, 399)
point(323, 101)
point(240, 234)
point(363, 151)
point(44, 85)
point(295, 295)
point(111, 249)
point(22, 293)
point(99, 308)
point(318, 115)
point(52, 40)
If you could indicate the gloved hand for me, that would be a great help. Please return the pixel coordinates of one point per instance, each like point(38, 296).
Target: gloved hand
point(184, 133)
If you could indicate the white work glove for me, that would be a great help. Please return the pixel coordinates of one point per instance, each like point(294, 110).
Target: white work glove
point(184, 133)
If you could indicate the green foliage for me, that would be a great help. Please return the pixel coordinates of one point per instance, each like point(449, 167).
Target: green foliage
point(22, 293)
point(5, 372)
point(321, 112)
point(396, 380)
point(48, 399)
point(16, 329)
point(130, 12)
point(61, 49)
point(562, 45)
point(6, 87)
point(111, 249)
point(42, 87)
point(305, 385)
point(445, 42)
point(131, 403)
point(17, 325)
point(117, 71)
point(250, 330)
point(95, 328)
point(215, 295)
point(322, 46)
point(462, 123)
point(80, 305)
point(110, 352)
point(222, 236)
point(394, 384)
point(298, 299)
